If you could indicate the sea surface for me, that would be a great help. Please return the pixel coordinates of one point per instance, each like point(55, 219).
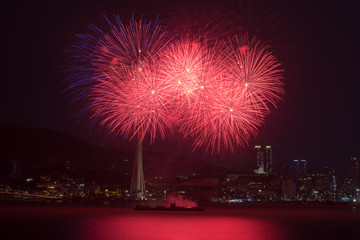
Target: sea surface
point(108, 223)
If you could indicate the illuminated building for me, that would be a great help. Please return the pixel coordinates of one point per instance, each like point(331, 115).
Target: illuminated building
point(354, 171)
point(268, 159)
point(263, 159)
point(302, 167)
point(259, 160)
point(295, 166)
point(299, 167)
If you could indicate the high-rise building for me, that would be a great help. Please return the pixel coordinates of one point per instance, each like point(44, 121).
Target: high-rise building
point(295, 167)
point(268, 159)
point(299, 167)
point(263, 159)
point(302, 167)
point(258, 163)
point(12, 169)
point(354, 171)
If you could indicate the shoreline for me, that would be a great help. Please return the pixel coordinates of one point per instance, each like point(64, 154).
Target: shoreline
point(132, 204)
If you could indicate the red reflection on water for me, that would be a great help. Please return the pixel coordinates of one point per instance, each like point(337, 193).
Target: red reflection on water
point(179, 226)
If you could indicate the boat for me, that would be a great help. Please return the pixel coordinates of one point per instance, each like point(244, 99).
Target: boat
point(172, 207)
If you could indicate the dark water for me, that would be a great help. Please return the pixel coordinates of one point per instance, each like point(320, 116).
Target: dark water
point(106, 223)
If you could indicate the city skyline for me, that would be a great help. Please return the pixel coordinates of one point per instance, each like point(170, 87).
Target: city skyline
point(39, 149)
point(34, 146)
point(112, 180)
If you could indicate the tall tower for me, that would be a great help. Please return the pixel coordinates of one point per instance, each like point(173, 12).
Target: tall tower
point(137, 189)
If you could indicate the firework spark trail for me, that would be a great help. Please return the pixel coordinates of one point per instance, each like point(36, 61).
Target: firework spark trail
point(182, 64)
point(116, 79)
point(134, 43)
point(253, 65)
point(140, 104)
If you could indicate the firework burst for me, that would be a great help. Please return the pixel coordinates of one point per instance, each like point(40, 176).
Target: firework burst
point(227, 118)
point(183, 65)
point(117, 81)
point(140, 104)
point(251, 64)
point(135, 80)
point(224, 90)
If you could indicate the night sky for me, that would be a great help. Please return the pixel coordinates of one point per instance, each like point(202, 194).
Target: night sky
point(318, 45)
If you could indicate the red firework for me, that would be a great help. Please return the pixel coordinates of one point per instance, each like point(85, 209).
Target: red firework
point(226, 100)
point(139, 103)
point(183, 64)
point(251, 64)
point(227, 118)
point(119, 80)
point(136, 83)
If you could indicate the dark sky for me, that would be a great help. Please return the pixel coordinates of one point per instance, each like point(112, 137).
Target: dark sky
point(318, 45)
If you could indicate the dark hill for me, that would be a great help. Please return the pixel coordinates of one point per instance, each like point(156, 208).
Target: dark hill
point(34, 149)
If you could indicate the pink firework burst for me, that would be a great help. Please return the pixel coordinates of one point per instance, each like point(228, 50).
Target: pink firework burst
point(251, 64)
point(227, 118)
point(191, 68)
point(182, 65)
point(118, 81)
point(138, 103)
point(139, 41)
point(227, 100)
